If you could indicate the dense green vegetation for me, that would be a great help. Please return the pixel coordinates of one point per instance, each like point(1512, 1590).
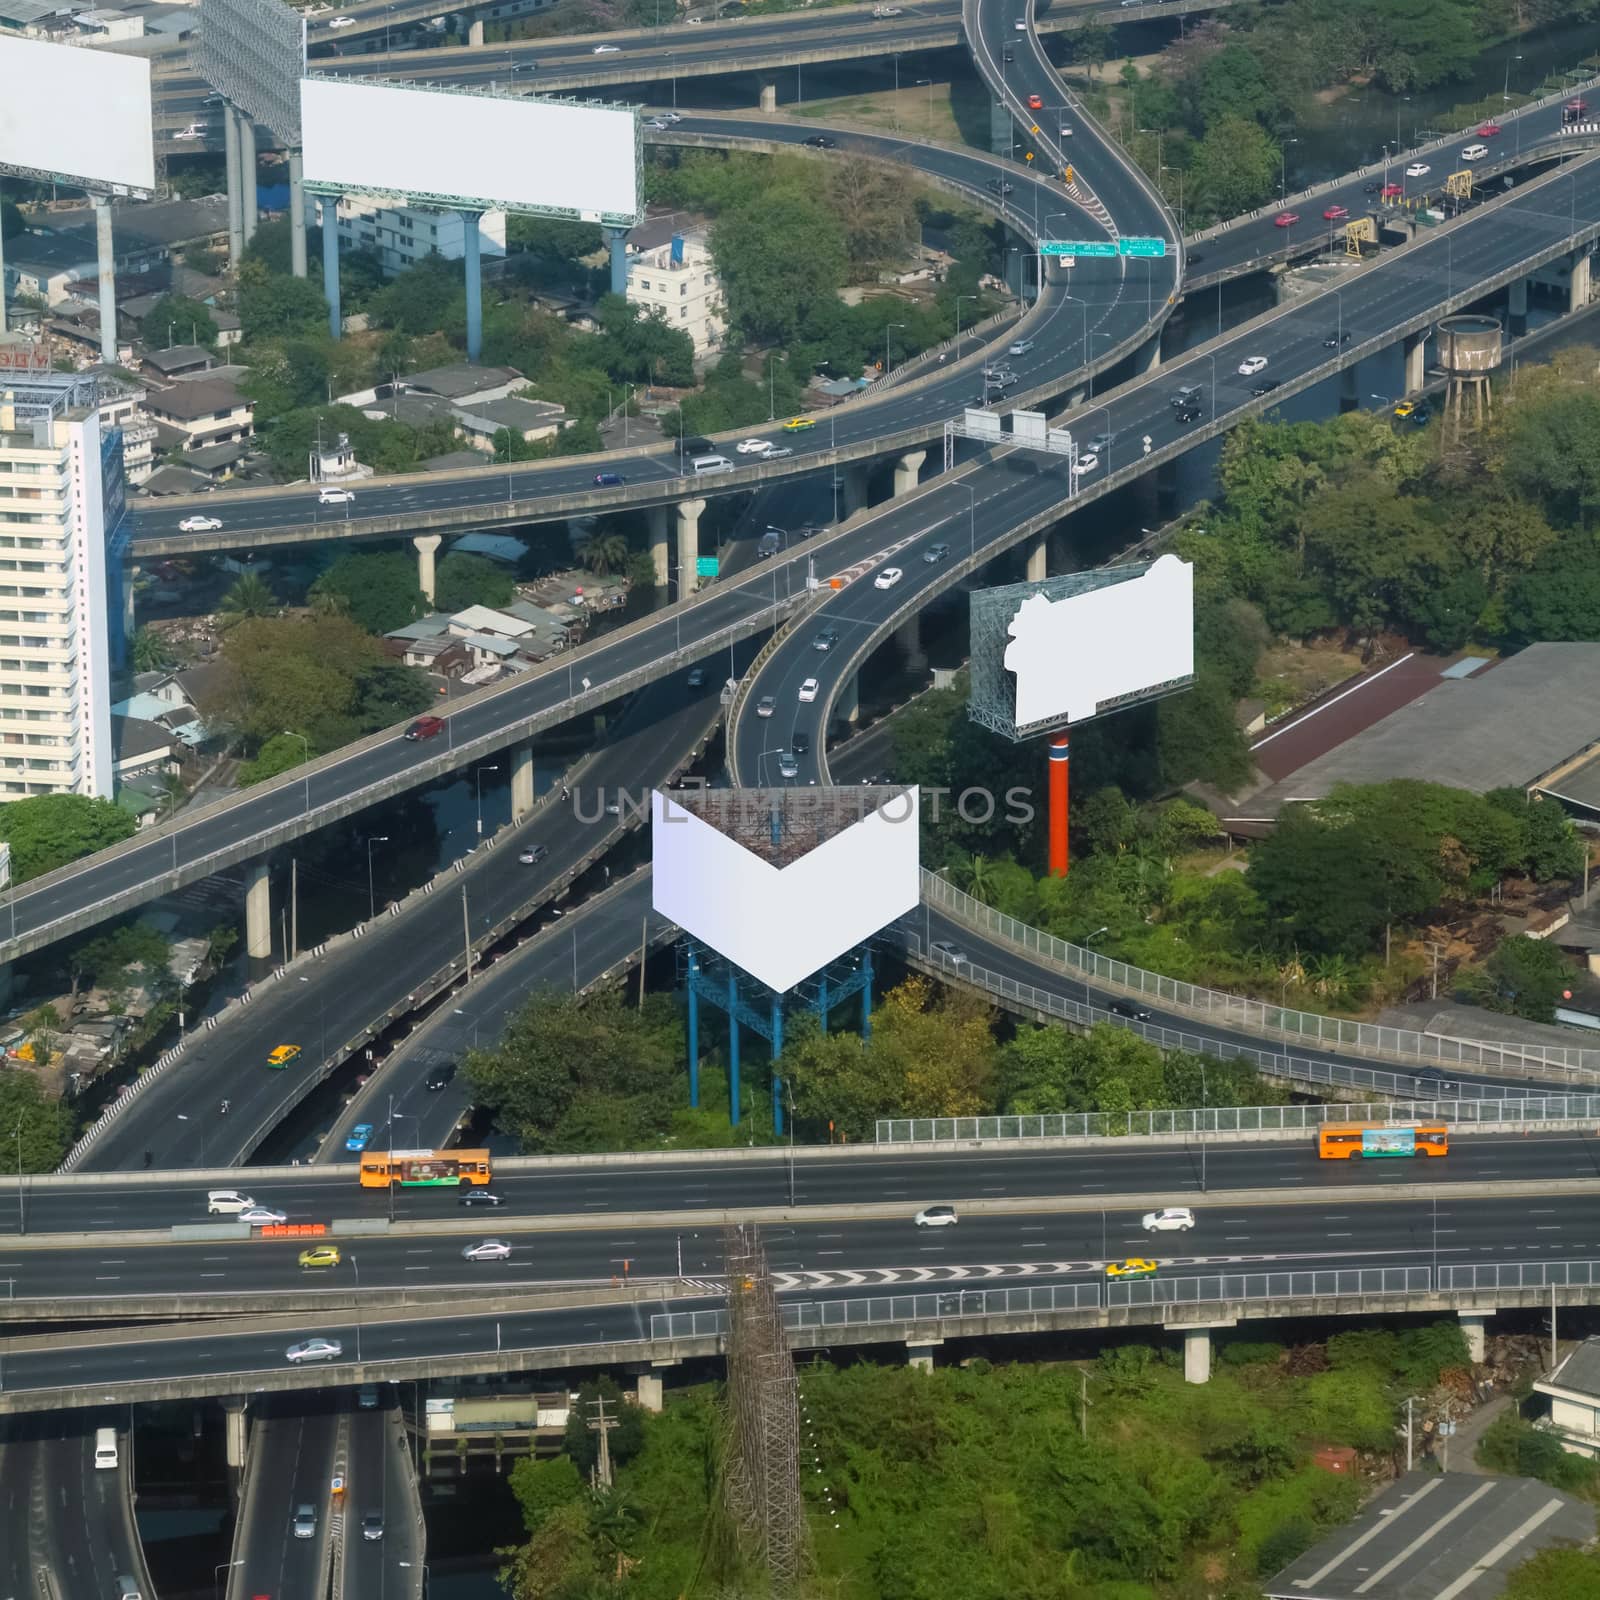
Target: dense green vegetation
point(601, 1074)
point(49, 830)
point(996, 1482)
point(46, 1125)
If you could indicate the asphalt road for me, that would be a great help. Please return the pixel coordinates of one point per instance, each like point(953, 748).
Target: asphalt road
point(388, 1568)
point(291, 1463)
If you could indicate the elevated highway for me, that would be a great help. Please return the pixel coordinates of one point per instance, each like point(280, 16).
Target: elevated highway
point(294, 1452)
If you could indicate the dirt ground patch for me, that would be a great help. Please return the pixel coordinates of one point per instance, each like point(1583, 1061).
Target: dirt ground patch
point(1291, 675)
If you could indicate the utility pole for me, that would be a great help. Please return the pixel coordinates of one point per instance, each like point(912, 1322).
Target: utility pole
point(294, 907)
point(1435, 949)
point(600, 1423)
point(1409, 1401)
point(644, 945)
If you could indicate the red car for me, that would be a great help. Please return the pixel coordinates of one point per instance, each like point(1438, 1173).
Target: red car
point(426, 728)
point(1488, 130)
point(1285, 219)
point(1393, 191)
point(1335, 214)
point(1036, 102)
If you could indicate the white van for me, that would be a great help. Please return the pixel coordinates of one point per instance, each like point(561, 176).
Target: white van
point(105, 1448)
point(1475, 152)
point(704, 466)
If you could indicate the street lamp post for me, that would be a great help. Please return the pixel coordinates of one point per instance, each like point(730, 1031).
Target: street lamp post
point(223, 1566)
point(1505, 89)
point(478, 773)
point(372, 903)
point(959, 299)
point(772, 386)
point(355, 1266)
point(1283, 168)
point(888, 327)
point(22, 1208)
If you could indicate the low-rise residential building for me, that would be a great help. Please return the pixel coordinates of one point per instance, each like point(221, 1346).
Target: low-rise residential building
point(678, 282)
point(527, 420)
point(1573, 1389)
point(465, 385)
point(401, 235)
point(201, 412)
point(178, 361)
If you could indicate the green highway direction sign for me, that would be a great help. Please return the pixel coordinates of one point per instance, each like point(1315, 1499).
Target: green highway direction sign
point(705, 566)
point(1103, 247)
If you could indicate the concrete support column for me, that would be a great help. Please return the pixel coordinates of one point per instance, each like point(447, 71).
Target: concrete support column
point(258, 911)
point(1416, 352)
point(853, 481)
point(1518, 298)
point(230, 142)
point(909, 637)
point(475, 33)
point(1473, 1327)
point(660, 552)
point(426, 544)
point(473, 268)
point(107, 259)
point(521, 780)
point(906, 470)
point(688, 544)
point(128, 623)
point(618, 239)
point(769, 98)
point(847, 706)
point(648, 1387)
point(237, 1410)
point(1578, 284)
point(297, 213)
point(251, 209)
point(920, 1356)
point(1150, 354)
point(1350, 388)
point(1039, 559)
point(330, 262)
point(1196, 1355)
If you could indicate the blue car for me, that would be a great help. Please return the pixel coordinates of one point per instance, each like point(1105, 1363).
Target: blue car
point(359, 1135)
point(609, 480)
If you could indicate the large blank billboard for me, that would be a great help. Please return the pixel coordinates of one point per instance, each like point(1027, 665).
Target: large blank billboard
point(254, 51)
point(76, 114)
point(489, 151)
point(782, 923)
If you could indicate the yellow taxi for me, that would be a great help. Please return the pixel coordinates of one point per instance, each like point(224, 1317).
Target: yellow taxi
point(281, 1055)
point(320, 1255)
point(1404, 408)
point(1133, 1267)
point(799, 424)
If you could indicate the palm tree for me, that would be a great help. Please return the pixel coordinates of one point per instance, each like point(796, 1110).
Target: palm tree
point(603, 553)
point(249, 597)
point(329, 603)
point(151, 653)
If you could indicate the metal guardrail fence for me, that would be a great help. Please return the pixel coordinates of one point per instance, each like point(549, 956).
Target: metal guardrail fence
point(1521, 1275)
point(1228, 1119)
point(1336, 1281)
point(1257, 1016)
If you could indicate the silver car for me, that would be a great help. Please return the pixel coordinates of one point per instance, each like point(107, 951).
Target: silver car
point(318, 1349)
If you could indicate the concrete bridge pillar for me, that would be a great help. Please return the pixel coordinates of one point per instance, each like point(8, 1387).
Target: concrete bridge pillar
point(648, 1387)
point(853, 483)
point(906, 470)
point(521, 780)
point(847, 705)
point(258, 911)
point(297, 213)
point(330, 262)
point(1350, 388)
point(660, 555)
point(1474, 1325)
point(1416, 351)
point(230, 145)
point(769, 98)
point(1039, 558)
point(920, 1356)
point(426, 545)
point(909, 637)
point(1150, 354)
point(1578, 284)
point(106, 255)
point(1518, 308)
point(688, 544)
point(237, 1411)
point(475, 33)
point(250, 207)
point(1196, 1355)
point(472, 267)
point(618, 240)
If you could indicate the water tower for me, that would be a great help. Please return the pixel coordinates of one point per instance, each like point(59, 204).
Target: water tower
point(1469, 350)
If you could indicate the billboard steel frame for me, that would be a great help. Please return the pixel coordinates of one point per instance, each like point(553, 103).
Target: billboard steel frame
point(254, 53)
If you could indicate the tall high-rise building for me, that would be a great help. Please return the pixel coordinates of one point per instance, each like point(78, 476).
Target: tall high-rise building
point(63, 532)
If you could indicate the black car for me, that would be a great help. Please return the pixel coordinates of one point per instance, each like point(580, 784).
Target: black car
point(800, 742)
point(1334, 338)
point(479, 1197)
point(1195, 258)
point(1266, 386)
point(1192, 412)
point(1127, 1009)
point(1008, 54)
point(820, 141)
point(440, 1077)
point(696, 446)
point(1000, 186)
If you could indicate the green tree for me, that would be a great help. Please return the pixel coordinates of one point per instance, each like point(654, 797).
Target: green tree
point(249, 596)
point(782, 258)
point(49, 830)
point(151, 652)
point(276, 755)
point(1234, 167)
point(582, 1443)
point(1555, 1575)
point(380, 591)
point(463, 580)
point(603, 552)
point(1529, 977)
point(545, 1486)
point(272, 305)
point(428, 297)
point(1559, 597)
point(46, 1125)
point(175, 320)
point(1232, 83)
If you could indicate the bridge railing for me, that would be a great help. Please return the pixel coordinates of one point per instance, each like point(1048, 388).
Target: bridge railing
point(1520, 1275)
point(1335, 1281)
point(1257, 1016)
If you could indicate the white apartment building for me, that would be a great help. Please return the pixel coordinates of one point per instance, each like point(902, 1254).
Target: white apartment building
point(679, 281)
point(61, 489)
point(402, 234)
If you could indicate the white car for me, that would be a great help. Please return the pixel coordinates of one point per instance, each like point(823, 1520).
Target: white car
point(1020, 25)
point(1475, 152)
point(937, 1217)
point(888, 578)
point(1170, 1219)
point(199, 524)
point(314, 1350)
point(808, 691)
point(766, 705)
point(1066, 130)
point(1085, 463)
point(670, 117)
point(334, 497)
point(776, 452)
point(487, 1250)
point(752, 447)
point(952, 953)
point(1418, 169)
point(262, 1216)
point(1251, 365)
point(607, 50)
point(655, 124)
point(227, 1202)
point(193, 131)
point(343, 22)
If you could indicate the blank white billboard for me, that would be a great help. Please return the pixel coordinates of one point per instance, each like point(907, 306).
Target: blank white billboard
point(490, 151)
point(79, 114)
point(781, 924)
point(1071, 657)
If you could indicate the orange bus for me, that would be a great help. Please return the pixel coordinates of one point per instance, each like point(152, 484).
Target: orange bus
point(423, 1169)
point(1340, 1140)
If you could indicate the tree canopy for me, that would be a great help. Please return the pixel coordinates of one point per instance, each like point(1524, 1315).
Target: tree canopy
point(47, 831)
